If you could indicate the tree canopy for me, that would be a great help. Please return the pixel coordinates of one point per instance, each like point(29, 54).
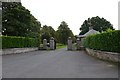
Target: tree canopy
point(17, 21)
point(63, 33)
point(99, 24)
point(47, 32)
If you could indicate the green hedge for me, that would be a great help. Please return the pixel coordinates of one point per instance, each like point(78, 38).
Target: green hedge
point(109, 41)
point(18, 42)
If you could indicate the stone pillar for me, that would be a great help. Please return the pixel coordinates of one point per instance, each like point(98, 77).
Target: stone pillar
point(44, 44)
point(78, 44)
point(52, 43)
point(69, 43)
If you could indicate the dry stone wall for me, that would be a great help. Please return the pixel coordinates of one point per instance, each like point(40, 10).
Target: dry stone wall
point(109, 56)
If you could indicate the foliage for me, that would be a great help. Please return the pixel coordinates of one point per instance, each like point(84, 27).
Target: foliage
point(47, 32)
point(99, 24)
point(17, 21)
point(63, 33)
point(109, 41)
point(109, 30)
point(59, 46)
point(18, 42)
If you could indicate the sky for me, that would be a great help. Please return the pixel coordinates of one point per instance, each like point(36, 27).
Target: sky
point(73, 12)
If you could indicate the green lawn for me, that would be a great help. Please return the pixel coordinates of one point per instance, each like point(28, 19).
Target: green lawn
point(59, 46)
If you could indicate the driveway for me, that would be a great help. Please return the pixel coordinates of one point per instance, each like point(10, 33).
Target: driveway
point(56, 64)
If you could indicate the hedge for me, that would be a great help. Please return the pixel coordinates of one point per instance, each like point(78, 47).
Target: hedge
point(18, 42)
point(109, 41)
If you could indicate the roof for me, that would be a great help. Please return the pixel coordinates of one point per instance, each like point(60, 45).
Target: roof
point(79, 36)
point(90, 32)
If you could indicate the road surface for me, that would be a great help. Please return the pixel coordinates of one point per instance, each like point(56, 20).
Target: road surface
point(56, 64)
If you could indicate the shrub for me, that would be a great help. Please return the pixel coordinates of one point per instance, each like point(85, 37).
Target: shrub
point(18, 42)
point(109, 41)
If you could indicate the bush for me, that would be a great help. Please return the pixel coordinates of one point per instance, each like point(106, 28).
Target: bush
point(108, 41)
point(18, 42)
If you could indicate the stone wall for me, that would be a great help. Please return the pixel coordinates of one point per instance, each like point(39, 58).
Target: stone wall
point(16, 50)
point(109, 56)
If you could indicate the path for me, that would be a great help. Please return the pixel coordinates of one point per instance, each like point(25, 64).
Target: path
point(56, 64)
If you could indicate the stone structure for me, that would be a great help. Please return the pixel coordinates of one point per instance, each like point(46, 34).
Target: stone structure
point(108, 56)
point(44, 44)
point(16, 50)
point(69, 43)
point(52, 43)
point(78, 44)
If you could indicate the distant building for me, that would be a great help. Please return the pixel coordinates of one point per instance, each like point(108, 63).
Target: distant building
point(90, 32)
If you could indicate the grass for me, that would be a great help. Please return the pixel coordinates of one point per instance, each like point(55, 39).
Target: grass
point(59, 46)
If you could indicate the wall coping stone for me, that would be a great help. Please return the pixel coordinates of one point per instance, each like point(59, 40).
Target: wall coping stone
point(113, 53)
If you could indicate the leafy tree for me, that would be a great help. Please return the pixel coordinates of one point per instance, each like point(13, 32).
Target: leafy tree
point(99, 24)
point(47, 32)
point(17, 21)
point(63, 33)
point(51, 31)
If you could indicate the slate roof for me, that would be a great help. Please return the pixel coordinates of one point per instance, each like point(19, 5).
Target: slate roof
point(90, 32)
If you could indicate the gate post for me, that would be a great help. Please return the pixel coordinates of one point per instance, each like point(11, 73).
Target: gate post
point(52, 43)
point(69, 43)
point(78, 43)
point(44, 44)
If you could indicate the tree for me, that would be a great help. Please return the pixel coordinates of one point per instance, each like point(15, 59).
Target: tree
point(99, 24)
point(17, 21)
point(47, 32)
point(63, 33)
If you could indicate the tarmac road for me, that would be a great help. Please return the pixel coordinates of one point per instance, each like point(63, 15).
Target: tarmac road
point(56, 64)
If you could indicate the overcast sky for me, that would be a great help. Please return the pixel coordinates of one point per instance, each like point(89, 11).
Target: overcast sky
point(74, 12)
